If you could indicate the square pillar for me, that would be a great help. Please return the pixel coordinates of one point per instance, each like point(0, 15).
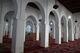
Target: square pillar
point(37, 35)
point(58, 32)
point(10, 28)
point(1, 29)
point(71, 32)
point(44, 35)
point(66, 32)
point(18, 36)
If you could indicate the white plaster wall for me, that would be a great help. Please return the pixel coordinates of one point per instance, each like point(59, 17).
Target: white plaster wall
point(7, 6)
point(76, 16)
point(62, 11)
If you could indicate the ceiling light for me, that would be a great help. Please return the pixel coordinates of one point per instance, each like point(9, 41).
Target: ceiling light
point(51, 23)
point(69, 17)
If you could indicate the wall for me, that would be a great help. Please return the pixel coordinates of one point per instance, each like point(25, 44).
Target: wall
point(0, 9)
point(76, 16)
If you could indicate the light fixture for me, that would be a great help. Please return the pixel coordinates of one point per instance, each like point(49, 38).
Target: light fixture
point(51, 23)
point(55, 6)
point(69, 17)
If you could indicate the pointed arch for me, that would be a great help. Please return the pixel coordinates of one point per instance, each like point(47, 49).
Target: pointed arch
point(57, 33)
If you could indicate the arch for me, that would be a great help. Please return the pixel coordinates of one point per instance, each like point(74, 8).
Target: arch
point(55, 14)
point(64, 29)
point(9, 16)
point(33, 5)
point(52, 26)
point(56, 19)
point(35, 21)
point(39, 7)
point(70, 29)
point(42, 11)
point(32, 18)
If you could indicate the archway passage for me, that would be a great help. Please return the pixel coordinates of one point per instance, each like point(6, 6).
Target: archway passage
point(64, 35)
point(31, 32)
point(53, 22)
point(8, 27)
point(35, 6)
point(8, 23)
point(51, 33)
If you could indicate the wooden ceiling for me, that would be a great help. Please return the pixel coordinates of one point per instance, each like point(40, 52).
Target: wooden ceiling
point(72, 5)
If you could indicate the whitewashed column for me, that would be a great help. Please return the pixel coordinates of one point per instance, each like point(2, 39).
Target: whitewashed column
point(10, 27)
point(37, 38)
point(2, 24)
point(70, 30)
point(66, 31)
point(45, 31)
point(72, 27)
point(18, 36)
point(58, 32)
point(18, 29)
point(1, 30)
point(44, 35)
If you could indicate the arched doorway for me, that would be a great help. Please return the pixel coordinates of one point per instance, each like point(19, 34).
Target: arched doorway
point(31, 28)
point(55, 27)
point(8, 26)
point(51, 28)
point(64, 35)
point(37, 6)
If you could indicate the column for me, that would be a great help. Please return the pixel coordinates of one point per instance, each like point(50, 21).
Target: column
point(45, 35)
point(77, 31)
point(10, 28)
point(45, 31)
point(58, 32)
point(66, 31)
point(37, 38)
point(70, 30)
point(18, 36)
point(1, 30)
point(72, 27)
point(1, 23)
